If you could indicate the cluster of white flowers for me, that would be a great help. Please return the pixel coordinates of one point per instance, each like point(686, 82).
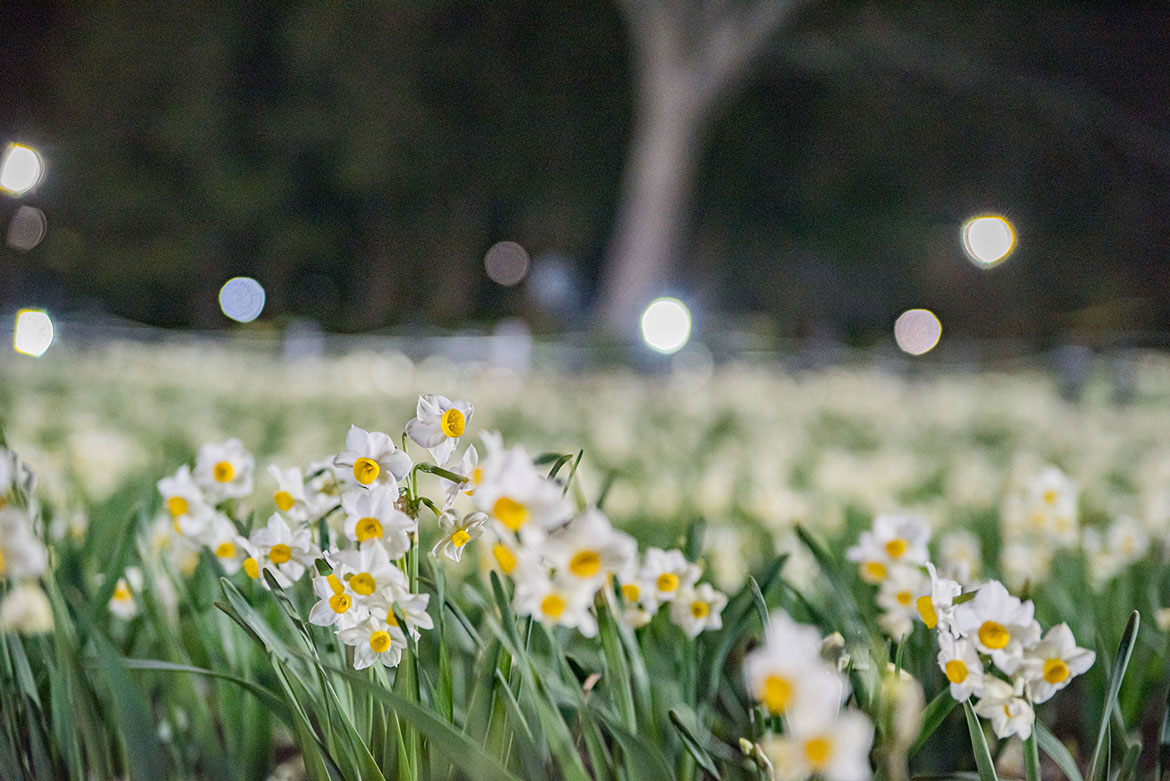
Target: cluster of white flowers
point(23, 557)
point(891, 556)
point(992, 627)
point(558, 557)
point(789, 678)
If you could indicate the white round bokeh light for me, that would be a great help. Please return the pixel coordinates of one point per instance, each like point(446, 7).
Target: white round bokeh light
point(242, 299)
point(20, 170)
point(917, 331)
point(666, 325)
point(33, 333)
point(988, 240)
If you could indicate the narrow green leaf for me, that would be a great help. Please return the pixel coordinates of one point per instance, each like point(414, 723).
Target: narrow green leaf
point(143, 752)
point(934, 715)
point(617, 677)
point(462, 751)
point(1098, 763)
point(1056, 751)
point(693, 747)
point(979, 745)
point(266, 696)
point(513, 707)
point(642, 759)
point(758, 601)
point(1129, 763)
point(1032, 756)
point(1162, 758)
point(736, 614)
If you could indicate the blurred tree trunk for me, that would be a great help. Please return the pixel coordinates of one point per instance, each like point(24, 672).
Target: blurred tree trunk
point(688, 55)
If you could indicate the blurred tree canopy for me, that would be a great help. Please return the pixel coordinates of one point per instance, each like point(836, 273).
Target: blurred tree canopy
point(359, 159)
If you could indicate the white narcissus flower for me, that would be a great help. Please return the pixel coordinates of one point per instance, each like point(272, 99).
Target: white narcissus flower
point(898, 596)
point(961, 664)
point(998, 624)
point(438, 425)
point(26, 610)
point(289, 495)
point(937, 607)
point(457, 532)
point(1049, 665)
point(698, 609)
point(374, 515)
point(220, 538)
point(823, 742)
point(373, 457)
point(894, 539)
point(288, 552)
point(518, 496)
point(412, 608)
point(787, 673)
point(335, 605)
point(1010, 713)
point(1052, 507)
point(22, 554)
point(668, 572)
point(466, 467)
point(184, 501)
point(588, 548)
point(556, 601)
point(368, 570)
point(374, 640)
point(224, 470)
point(122, 602)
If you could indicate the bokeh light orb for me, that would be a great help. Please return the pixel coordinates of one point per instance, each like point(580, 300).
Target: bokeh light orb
point(242, 299)
point(27, 228)
point(506, 263)
point(666, 325)
point(20, 169)
point(917, 331)
point(33, 333)
point(988, 239)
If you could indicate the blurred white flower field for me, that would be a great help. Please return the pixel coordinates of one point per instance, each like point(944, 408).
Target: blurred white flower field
point(361, 566)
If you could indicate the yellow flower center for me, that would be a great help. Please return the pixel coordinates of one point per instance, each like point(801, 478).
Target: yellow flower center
point(279, 553)
point(510, 512)
point(366, 470)
point(334, 583)
point(897, 547)
point(252, 567)
point(284, 500)
point(122, 592)
point(956, 671)
point(363, 583)
point(380, 641)
point(667, 582)
point(460, 538)
point(177, 506)
point(904, 598)
point(873, 571)
point(453, 423)
point(223, 472)
point(504, 557)
point(585, 564)
point(777, 692)
point(553, 605)
point(927, 612)
point(1050, 496)
point(477, 475)
point(225, 550)
point(993, 635)
point(817, 751)
point(3, 565)
point(700, 610)
point(368, 529)
point(391, 619)
point(1055, 671)
point(339, 602)
point(631, 592)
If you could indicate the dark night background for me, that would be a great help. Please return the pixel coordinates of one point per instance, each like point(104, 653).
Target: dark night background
point(358, 160)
